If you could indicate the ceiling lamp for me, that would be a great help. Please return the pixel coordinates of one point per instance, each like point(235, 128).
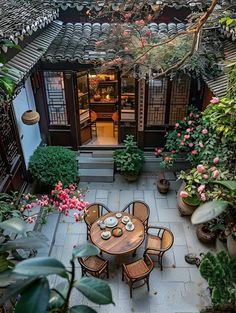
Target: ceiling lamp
point(30, 117)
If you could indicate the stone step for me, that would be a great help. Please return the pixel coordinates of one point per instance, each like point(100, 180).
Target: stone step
point(99, 163)
point(96, 175)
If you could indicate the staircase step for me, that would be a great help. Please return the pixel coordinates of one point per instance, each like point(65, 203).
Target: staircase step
point(98, 163)
point(96, 175)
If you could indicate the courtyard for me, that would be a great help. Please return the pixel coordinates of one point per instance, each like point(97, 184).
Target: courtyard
point(179, 288)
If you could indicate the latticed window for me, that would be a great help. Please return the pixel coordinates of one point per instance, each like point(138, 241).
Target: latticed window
point(157, 91)
point(55, 90)
point(167, 101)
point(8, 144)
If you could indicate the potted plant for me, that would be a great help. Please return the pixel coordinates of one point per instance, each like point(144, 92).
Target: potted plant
point(129, 161)
point(219, 271)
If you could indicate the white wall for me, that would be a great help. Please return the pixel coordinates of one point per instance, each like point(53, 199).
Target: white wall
point(29, 134)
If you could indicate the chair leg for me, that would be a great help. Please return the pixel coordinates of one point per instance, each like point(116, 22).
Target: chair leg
point(160, 258)
point(147, 281)
point(131, 290)
point(122, 273)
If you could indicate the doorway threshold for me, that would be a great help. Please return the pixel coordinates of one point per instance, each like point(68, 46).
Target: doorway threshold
point(100, 147)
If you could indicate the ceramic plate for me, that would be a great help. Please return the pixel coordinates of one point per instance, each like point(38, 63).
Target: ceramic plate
point(129, 228)
point(118, 215)
point(106, 234)
point(111, 221)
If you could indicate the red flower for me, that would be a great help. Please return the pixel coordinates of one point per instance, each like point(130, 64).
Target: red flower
point(193, 152)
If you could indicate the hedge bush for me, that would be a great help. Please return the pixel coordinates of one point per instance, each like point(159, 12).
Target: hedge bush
point(51, 164)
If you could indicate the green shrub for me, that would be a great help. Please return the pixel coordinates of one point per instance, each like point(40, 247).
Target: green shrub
point(48, 165)
point(129, 160)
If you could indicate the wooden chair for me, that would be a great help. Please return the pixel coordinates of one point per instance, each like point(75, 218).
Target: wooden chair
point(158, 242)
point(94, 266)
point(93, 212)
point(136, 272)
point(93, 117)
point(140, 210)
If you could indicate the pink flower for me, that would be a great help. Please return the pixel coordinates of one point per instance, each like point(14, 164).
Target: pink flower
point(191, 114)
point(126, 48)
point(197, 116)
point(149, 17)
point(76, 216)
point(184, 118)
point(213, 168)
point(204, 131)
point(215, 100)
point(190, 144)
point(158, 151)
point(173, 151)
point(190, 122)
point(188, 130)
point(205, 176)
point(140, 23)
point(203, 196)
point(201, 169)
point(183, 194)
point(126, 33)
point(201, 188)
point(182, 143)
point(201, 145)
point(148, 33)
point(176, 125)
point(178, 135)
point(128, 15)
point(216, 160)
point(166, 158)
point(215, 174)
point(193, 152)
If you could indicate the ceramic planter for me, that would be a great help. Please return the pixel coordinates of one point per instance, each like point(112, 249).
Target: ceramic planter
point(130, 177)
point(204, 234)
point(184, 208)
point(163, 185)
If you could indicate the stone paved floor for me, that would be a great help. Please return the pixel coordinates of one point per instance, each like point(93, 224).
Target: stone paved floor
point(178, 288)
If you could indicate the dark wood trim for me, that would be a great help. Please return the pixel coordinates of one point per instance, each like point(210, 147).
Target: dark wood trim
point(71, 107)
point(168, 100)
point(118, 73)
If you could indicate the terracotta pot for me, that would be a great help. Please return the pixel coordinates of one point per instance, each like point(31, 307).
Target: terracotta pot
point(184, 208)
point(231, 246)
point(204, 234)
point(163, 185)
point(30, 117)
point(130, 177)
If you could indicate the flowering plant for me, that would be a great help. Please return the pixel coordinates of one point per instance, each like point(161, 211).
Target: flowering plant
point(199, 182)
point(61, 199)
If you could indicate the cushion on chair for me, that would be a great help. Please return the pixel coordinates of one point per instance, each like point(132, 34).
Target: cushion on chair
point(136, 269)
point(92, 214)
point(94, 263)
point(167, 240)
point(153, 244)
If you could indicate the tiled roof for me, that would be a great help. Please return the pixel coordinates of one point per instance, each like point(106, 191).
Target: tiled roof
point(20, 65)
point(97, 5)
point(77, 42)
point(219, 85)
point(22, 17)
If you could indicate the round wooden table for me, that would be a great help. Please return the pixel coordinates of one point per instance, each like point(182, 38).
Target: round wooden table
point(127, 243)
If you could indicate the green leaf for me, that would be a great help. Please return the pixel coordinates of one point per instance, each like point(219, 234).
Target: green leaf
point(34, 298)
point(81, 309)
point(230, 184)
point(23, 243)
point(14, 225)
point(94, 289)
point(16, 288)
point(208, 211)
point(40, 266)
point(85, 250)
point(56, 299)
point(7, 85)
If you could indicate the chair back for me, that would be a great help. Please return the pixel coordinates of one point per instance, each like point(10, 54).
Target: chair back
point(139, 209)
point(94, 211)
point(167, 239)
